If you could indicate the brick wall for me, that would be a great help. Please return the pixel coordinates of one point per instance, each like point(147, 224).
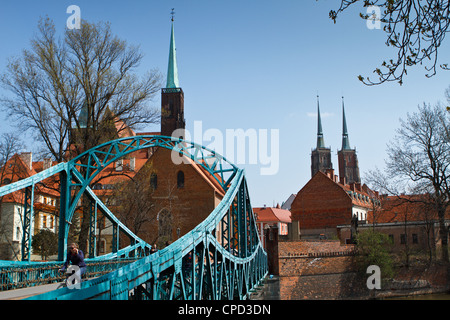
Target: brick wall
point(318, 270)
point(321, 204)
point(314, 257)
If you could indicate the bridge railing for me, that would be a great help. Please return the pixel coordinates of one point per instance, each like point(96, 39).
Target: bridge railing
point(25, 274)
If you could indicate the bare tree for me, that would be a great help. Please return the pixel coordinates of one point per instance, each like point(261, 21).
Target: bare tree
point(62, 88)
point(416, 28)
point(70, 92)
point(418, 163)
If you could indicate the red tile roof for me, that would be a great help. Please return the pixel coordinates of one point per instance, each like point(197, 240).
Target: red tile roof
point(268, 214)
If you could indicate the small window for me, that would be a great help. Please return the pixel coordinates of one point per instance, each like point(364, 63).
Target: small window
point(180, 179)
point(415, 239)
point(154, 181)
point(403, 238)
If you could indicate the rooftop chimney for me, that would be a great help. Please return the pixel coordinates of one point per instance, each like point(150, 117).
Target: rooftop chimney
point(119, 165)
point(27, 158)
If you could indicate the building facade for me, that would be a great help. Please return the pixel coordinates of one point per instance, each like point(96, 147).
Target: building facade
point(267, 217)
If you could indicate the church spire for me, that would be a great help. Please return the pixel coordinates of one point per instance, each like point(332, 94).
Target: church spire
point(172, 72)
point(345, 141)
point(320, 141)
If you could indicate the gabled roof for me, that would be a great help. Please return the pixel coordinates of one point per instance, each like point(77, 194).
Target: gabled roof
point(359, 195)
point(269, 214)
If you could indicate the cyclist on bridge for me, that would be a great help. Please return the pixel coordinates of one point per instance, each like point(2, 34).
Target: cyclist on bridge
point(76, 257)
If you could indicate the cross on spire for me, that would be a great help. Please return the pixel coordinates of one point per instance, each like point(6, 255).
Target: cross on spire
point(172, 14)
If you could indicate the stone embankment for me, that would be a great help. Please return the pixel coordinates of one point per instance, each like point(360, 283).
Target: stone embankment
point(326, 270)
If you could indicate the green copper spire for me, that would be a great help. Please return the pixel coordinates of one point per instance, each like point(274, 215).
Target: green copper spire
point(320, 141)
point(172, 72)
point(345, 142)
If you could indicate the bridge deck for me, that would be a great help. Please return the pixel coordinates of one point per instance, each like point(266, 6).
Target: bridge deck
point(19, 294)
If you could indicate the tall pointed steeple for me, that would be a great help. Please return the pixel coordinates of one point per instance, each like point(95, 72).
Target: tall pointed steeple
point(172, 71)
point(320, 156)
point(320, 141)
point(172, 97)
point(345, 141)
point(347, 158)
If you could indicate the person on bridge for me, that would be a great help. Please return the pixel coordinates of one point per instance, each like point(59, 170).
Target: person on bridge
point(75, 257)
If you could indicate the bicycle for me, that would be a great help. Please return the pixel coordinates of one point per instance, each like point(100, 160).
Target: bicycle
point(73, 277)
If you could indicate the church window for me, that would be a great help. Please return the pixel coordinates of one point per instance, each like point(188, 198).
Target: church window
point(180, 179)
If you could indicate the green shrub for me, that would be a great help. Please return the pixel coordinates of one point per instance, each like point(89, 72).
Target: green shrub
point(374, 248)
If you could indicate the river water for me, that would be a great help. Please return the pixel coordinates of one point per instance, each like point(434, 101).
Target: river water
point(432, 296)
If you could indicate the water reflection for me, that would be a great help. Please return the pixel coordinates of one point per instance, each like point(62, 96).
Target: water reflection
point(431, 296)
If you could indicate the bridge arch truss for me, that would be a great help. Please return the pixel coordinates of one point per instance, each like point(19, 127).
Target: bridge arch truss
point(221, 258)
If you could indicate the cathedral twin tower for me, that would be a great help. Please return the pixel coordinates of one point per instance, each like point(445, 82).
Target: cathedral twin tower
point(321, 156)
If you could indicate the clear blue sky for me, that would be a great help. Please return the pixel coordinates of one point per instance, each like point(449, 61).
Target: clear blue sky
point(258, 65)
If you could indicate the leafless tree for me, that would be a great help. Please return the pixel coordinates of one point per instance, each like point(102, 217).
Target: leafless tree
point(72, 91)
point(416, 28)
point(418, 163)
point(89, 71)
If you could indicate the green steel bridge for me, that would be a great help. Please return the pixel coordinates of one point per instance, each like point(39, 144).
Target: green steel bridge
point(222, 258)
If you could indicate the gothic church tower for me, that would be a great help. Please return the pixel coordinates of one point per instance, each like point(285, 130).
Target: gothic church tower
point(348, 161)
point(321, 156)
point(172, 97)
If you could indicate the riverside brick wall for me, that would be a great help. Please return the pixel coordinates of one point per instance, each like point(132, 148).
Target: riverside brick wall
point(314, 257)
point(326, 270)
point(318, 270)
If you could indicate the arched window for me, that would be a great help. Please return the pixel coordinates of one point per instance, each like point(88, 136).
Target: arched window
point(180, 179)
point(154, 181)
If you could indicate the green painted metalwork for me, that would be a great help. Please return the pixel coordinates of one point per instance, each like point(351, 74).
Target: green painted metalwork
point(172, 72)
point(222, 258)
point(92, 227)
point(27, 223)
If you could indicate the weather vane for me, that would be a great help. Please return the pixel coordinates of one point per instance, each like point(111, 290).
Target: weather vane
point(172, 13)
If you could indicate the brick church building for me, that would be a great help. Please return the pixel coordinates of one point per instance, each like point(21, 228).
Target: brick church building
point(328, 200)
